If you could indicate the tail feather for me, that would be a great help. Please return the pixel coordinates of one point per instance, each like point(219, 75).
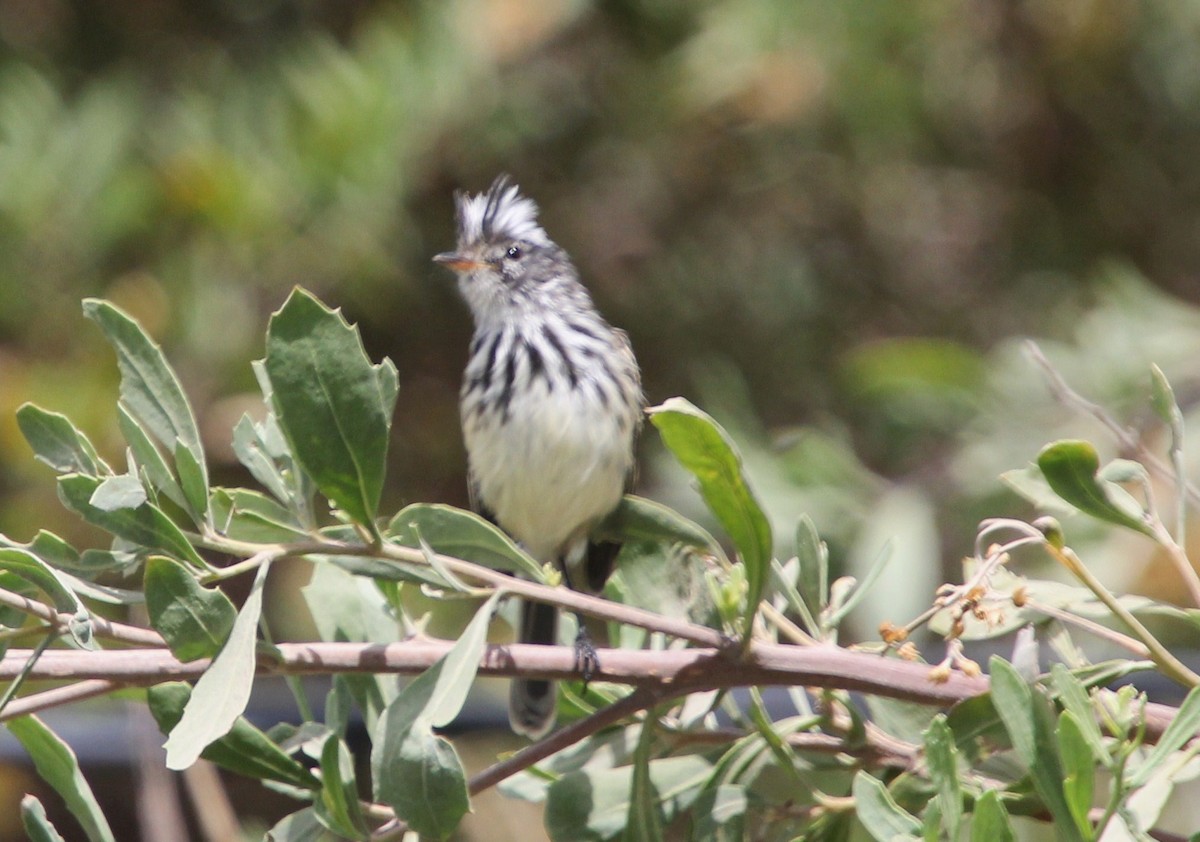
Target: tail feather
point(532, 703)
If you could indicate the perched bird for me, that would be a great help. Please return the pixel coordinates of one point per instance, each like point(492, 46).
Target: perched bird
point(551, 404)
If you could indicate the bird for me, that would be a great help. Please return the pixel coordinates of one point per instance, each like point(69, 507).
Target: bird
point(551, 405)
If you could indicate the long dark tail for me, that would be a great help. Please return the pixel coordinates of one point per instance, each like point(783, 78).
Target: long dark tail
point(532, 702)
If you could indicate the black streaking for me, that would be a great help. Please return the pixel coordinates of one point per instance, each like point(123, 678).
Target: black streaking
point(537, 365)
point(510, 381)
point(485, 377)
point(553, 339)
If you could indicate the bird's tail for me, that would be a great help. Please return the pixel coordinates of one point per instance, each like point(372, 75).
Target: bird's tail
point(533, 702)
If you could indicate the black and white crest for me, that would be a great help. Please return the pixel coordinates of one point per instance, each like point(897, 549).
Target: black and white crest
point(501, 213)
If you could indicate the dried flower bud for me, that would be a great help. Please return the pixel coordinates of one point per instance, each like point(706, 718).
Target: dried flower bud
point(940, 674)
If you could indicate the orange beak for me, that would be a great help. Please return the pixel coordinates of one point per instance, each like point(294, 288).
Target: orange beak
point(457, 262)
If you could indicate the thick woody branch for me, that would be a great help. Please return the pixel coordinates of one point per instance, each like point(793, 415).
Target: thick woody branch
point(669, 673)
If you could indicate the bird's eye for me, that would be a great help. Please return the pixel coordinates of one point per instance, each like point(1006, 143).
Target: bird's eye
point(514, 253)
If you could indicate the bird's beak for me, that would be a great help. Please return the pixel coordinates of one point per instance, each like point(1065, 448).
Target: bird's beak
point(457, 262)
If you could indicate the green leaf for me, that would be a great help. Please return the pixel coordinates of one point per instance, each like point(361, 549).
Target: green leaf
point(637, 519)
point(194, 621)
point(942, 760)
point(1080, 768)
point(1071, 467)
point(459, 667)
point(879, 813)
point(149, 387)
point(221, 694)
point(1162, 398)
point(37, 826)
point(338, 807)
point(1027, 717)
point(417, 773)
point(1073, 696)
point(37, 573)
point(118, 492)
point(460, 534)
point(301, 826)
point(350, 608)
point(246, 515)
point(705, 450)
point(148, 458)
point(813, 582)
point(251, 448)
point(58, 767)
point(63, 557)
point(145, 525)
point(645, 823)
point(245, 750)
point(989, 821)
point(56, 441)
point(194, 480)
point(334, 407)
point(719, 814)
point(1184, 726)
point(594, 803)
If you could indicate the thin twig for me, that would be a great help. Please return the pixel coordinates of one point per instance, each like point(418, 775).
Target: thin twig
point(569, 735)
point(581, 603)
point(565, 737)
point(1130, 442)
point(58, 696)
point(1104, 632)
point(1126, 438)
point(105, 628)
point(1170, 666)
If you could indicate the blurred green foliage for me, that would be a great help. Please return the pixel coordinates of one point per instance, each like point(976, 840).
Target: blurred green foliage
point(820, 221)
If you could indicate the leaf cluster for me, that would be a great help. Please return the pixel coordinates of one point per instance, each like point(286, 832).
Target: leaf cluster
point(640, 760)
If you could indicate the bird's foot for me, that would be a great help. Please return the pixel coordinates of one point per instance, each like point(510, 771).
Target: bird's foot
point(587, 660)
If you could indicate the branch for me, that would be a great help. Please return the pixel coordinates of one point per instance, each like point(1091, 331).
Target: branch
point(674, 672)
point(580, 603)
point(684, 670)
point(105, 628)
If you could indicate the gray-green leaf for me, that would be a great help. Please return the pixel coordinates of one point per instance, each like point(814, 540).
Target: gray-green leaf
point(221, 694)
point(942, 759)
point(880, 814)
point(989, 821)
point(57, 765)
point(704, 448)
point(338, 807)
point(145, 525)
point(194, 621)
point(460, 534)
point(245, 749)
point(149, 386)
point(595, 803)
point(333, 405)
point(37, 826)
point(415, 771)
point(56, 441)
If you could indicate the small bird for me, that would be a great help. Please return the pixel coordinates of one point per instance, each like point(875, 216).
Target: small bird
point(551, 404)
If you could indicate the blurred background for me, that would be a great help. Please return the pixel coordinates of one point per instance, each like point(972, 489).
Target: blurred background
point(828, 224)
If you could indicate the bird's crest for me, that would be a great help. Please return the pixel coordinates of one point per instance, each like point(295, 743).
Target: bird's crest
point(500, 213)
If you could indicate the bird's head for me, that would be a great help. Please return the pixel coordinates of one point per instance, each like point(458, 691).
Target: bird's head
point(504, 260)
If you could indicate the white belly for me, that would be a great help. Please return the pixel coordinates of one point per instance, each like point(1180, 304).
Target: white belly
point(553, 469)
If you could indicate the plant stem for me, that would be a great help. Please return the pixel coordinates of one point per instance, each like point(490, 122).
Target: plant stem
point(1168, 663)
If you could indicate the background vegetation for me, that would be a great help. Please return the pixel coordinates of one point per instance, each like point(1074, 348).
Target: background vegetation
point(824, 223)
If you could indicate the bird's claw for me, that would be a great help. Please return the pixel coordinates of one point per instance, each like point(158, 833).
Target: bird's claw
point(587, 660)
